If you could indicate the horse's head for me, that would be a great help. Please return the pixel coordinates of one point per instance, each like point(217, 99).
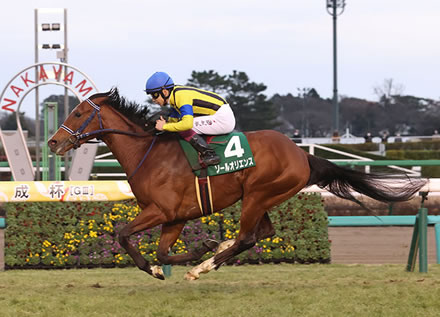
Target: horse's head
point(87, 121)
point(75, 130)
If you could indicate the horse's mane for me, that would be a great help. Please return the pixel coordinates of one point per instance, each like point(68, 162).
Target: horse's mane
point(131, 110)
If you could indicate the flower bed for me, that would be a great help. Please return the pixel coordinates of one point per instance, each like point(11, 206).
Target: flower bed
point(85, 234)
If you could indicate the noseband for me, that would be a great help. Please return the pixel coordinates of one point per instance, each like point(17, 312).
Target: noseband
point(76, 136)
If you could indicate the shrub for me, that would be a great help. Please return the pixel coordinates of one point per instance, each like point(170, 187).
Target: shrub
point(85, 234)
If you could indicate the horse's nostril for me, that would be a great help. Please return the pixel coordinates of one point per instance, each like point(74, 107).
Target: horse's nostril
point(52, 142)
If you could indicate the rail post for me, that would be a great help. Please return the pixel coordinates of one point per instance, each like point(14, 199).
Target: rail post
point(423, 244)
point(419, 240)
point(166, 268)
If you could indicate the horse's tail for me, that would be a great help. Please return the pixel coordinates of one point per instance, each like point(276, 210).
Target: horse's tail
point(342, 182)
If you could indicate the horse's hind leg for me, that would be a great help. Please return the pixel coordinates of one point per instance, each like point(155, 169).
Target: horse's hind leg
point(264, 230)
point(254, 209)
point(170, 234)
point(208, 265)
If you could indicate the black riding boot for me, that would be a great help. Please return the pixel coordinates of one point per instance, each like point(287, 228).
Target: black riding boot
point(208, 155)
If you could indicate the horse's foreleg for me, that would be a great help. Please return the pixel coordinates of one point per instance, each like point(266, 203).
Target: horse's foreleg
point(149, 217)
point(170, 234)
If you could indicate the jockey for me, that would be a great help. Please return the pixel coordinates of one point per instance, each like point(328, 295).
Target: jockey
point(194, 112)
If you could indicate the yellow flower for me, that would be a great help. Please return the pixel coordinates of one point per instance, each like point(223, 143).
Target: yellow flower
point(93, 234)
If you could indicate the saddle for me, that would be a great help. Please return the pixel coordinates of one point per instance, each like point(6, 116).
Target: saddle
point(235, 154)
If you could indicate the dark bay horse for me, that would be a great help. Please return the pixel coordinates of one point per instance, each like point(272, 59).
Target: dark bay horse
point(163, 182)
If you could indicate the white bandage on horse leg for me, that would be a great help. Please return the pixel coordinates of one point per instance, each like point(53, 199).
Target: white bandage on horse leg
point(207, 265)
point(224, 245)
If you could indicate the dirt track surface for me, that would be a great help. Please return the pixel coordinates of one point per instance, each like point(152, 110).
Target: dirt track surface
point(375, 245)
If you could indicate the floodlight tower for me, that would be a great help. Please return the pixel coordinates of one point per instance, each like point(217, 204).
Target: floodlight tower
point(47, 37)
point(335, 8)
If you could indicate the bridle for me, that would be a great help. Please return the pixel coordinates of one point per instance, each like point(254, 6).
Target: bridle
point(77, 136)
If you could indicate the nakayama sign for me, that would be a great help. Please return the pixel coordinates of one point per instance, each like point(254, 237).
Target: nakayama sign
point(48, 73)
point(15, 144)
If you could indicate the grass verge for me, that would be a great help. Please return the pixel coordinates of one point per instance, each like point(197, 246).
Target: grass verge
point(261, 290)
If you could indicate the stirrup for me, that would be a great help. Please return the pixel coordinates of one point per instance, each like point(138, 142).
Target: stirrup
point(210, 159)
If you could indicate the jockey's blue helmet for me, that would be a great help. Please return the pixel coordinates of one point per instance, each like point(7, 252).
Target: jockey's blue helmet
point(158, 81)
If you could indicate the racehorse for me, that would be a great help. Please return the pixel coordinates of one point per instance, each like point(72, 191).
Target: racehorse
point(163, 182)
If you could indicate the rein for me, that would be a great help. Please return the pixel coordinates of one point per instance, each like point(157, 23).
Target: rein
point(76, 136)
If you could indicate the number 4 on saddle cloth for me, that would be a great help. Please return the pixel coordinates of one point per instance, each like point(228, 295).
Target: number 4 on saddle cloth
point(235, 154)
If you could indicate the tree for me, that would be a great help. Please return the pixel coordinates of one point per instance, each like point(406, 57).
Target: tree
point(9, 122)
point(387, 91)
point(307, 112)
point(252, 109)
point(208, 80)
point(59, 99)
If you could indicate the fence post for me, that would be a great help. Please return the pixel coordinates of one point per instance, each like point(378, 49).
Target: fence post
point(166, 268)
point(419, 241)
point(414, 247)
point(437, 241)
point(423, 244)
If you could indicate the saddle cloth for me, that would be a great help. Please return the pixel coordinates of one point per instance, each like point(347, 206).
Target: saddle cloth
point(235, 154)
point(233, 149)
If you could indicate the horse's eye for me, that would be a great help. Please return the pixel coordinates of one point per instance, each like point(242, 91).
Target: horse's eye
point(77, 114)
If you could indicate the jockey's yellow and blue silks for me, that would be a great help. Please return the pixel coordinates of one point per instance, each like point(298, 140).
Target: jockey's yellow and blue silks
point(189, 102)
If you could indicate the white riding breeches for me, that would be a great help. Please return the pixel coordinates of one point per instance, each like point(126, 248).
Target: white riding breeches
point(221, 122)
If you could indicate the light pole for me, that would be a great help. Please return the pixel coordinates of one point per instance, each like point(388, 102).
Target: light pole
point(335, 8)
point(42, 34)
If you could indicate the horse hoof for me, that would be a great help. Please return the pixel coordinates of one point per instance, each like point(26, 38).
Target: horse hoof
point(190, 277)
point(159, 276)
point(157, 272)
point(217, 266)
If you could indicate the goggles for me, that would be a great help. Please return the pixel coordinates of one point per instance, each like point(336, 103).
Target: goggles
point(155, 94)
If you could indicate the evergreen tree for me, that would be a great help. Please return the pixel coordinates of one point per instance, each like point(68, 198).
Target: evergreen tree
point(251, 108)
point(9, 122)
point(59, 99)
point(208, 80)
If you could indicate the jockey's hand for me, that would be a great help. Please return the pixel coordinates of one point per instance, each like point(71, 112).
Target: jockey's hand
point(160, 123)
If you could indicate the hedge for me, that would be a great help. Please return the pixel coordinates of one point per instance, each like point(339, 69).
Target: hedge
point(65, 235)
